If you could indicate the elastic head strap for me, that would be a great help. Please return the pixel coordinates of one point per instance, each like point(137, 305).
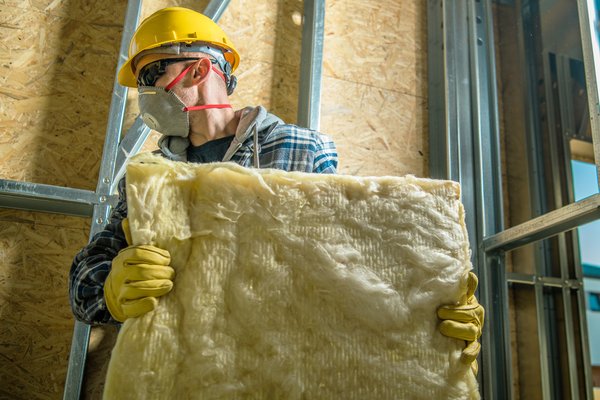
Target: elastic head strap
point(185, 71)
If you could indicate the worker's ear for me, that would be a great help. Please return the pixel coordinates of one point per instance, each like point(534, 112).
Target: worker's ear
point(201, 70)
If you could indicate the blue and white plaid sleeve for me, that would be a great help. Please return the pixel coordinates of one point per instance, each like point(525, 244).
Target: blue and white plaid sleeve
point(92, 265)
point(325, 159)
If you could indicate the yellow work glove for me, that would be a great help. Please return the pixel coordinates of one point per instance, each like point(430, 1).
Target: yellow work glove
point(139, 275)
point(464, 322)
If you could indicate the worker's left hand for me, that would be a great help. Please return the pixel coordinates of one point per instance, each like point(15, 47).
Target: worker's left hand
point(464, 322)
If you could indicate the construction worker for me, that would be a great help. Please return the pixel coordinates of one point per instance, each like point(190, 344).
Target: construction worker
point(182, 64)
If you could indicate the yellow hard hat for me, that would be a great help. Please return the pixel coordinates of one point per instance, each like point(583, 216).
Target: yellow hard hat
point(174, 25)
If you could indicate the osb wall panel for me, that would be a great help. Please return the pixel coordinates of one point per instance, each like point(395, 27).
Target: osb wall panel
point(385, 137)
point(375, 90)
point(35, 333)
point(381, 44)
point(55, 88)
point(58, 62)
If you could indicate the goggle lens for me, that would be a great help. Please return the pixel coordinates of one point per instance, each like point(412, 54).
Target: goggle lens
point(150, 73)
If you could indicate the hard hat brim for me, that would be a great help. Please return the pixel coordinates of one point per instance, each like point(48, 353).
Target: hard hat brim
point(126, 76)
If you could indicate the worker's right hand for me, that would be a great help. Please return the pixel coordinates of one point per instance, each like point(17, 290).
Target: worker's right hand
point(139, 275)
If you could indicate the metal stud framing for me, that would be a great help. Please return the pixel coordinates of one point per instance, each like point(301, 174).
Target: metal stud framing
point(464, 147)
point(464, 137)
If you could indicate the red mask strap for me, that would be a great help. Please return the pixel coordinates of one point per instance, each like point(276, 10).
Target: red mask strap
point(204, 107)
point(220, 74)
point(185, 71)
point(178, 78)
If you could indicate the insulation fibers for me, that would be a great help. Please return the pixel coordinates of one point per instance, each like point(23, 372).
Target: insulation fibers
point(294, 286)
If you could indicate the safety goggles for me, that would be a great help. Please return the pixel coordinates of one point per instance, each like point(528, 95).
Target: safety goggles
point(150, 73)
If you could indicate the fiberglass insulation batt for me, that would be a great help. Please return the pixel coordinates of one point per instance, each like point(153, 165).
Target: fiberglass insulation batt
point(294, 286)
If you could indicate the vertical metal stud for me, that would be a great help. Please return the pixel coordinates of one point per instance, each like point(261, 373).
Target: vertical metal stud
point(589, 23)
point(311, 64)
point(497, 366)
point(557, 140)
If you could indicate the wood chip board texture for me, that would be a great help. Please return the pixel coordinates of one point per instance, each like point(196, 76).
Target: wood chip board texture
point(294, 286)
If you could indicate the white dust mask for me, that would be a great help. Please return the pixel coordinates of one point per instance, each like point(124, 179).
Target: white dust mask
point(163, 111)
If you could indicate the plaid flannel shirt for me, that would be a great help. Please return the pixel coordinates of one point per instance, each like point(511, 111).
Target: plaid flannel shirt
point(285, 147)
